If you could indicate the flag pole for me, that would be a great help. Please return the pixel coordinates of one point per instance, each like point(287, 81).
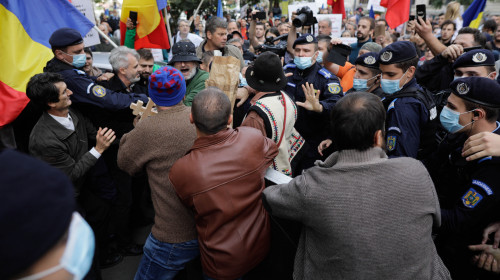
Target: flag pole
point(196, 12)
point(167, 21)
point(105, 36)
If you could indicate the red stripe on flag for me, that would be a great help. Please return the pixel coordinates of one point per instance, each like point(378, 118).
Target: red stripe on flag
point(158, 39)
point(12, 103)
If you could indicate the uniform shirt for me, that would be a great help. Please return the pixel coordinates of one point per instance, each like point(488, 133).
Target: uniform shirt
point(470, 203)
point(405, 118)
point(86, 90)
point(312, 125)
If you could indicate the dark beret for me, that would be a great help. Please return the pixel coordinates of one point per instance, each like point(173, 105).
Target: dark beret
point(36, 205)
point(64, 37)
point(397, 52)
point(473, 58)
point(305, 39)
point(480, 90)
point(368, 60)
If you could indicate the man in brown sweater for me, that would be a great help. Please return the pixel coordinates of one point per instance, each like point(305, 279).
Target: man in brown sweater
point(154, 145)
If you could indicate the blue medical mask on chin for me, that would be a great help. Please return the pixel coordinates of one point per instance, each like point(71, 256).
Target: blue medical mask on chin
point(361, 84)
point(320, 57)
point(78, 254)
point(303, 62)
point(78, 60)
point(391, 86)
point(450, 120)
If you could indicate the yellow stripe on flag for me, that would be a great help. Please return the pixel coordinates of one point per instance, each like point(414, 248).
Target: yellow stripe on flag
point(147, 15)
point(21, 57)
point(476, 22)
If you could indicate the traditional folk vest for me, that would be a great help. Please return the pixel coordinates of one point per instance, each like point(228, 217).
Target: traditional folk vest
point(272, 109)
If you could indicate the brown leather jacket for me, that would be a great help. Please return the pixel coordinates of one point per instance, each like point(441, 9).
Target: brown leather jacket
point(221, 179)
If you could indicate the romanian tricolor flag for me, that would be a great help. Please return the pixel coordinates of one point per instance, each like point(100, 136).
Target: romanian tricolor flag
point(151, 31)
point(25, 29)
point(473, 15)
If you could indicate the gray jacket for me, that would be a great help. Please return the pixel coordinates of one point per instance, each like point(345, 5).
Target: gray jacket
point(228, 50)
point(364, 217)
point(62, 148)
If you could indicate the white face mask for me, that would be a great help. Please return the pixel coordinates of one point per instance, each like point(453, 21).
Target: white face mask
point(78, 254)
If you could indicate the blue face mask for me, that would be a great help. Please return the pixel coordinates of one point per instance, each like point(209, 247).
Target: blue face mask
point(320, 57)
point(450, 120)
point(303, 62)
point(78, 254)
point(243, 81)
point(361, 84)
point(78, 60)
point(391, 86)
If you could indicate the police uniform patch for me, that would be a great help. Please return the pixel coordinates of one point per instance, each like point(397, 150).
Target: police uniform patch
point(309, 38)
point(334, 88)
point(99, 91)
point(386, 56)
point(462, 88)
point(479, 57)
point(370, 60)
point(391, 143)
point(471, 198)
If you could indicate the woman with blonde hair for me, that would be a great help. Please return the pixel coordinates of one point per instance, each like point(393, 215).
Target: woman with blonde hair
point(453, 14)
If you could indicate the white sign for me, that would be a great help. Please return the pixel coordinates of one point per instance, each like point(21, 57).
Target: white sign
point(157, 54)
point(376, 6)
point(85, 7)
point(336, 20)
point(348, 40)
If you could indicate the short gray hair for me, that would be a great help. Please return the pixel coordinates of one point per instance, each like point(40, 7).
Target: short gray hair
point(214, 23)
point(327, 20)
point(182, 20)
point(118, 57)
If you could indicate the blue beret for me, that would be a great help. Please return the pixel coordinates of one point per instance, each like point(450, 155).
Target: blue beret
point(65, 36)
point(473, 58)
point(305, 39)
point(397, 52)
point(368, 60)
point(480, 90)
point(36, 205)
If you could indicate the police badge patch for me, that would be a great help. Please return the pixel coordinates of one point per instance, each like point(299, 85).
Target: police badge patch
point(462, 88)
point(479, 57)
point(391, 143)
point(334, 88)
point(309, 38)
point(99, 91)
point(471, 198)
point(370, 60)
point(386, 56)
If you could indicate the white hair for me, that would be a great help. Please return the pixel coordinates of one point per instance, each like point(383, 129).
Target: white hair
point(119, 57)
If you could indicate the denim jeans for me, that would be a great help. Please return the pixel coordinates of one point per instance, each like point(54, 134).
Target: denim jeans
point(164, 260)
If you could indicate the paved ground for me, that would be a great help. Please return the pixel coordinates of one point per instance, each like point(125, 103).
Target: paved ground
point(127, 268)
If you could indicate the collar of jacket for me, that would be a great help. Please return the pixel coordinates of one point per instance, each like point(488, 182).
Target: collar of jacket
point(60, 131)
point(213, 139)
point(56, 65)
point(354, 157)
point(117, 84)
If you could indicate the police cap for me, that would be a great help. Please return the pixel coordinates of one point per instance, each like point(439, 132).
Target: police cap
point(368, 60)
point(478, 90)
point(397, 52)
point(64, 37)
point(305, 39)
point(474, 58)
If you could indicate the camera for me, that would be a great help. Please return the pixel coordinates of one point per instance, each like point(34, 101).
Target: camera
point(279, 49)
point(304, 17)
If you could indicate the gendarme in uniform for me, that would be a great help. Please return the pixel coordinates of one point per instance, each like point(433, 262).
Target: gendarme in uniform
point(312, 125)
point(411, 113)
point(85, 88)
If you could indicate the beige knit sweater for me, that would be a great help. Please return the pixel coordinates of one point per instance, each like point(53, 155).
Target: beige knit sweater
point(154, 145)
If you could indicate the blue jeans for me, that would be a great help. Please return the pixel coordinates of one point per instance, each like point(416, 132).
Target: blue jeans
point(164, 260)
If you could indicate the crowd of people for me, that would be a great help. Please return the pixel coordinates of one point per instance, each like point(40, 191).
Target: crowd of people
point(382, 153)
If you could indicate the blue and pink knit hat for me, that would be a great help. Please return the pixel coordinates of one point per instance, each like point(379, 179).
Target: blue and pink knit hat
point(167, 86)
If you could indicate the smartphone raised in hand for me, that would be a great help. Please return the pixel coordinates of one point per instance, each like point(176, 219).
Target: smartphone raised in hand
point(421, 12)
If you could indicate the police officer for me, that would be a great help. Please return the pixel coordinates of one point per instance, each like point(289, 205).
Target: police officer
point(69, 58)
point(411, 114)
point(469, 191)
point(367, 76)
point(313, 111)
